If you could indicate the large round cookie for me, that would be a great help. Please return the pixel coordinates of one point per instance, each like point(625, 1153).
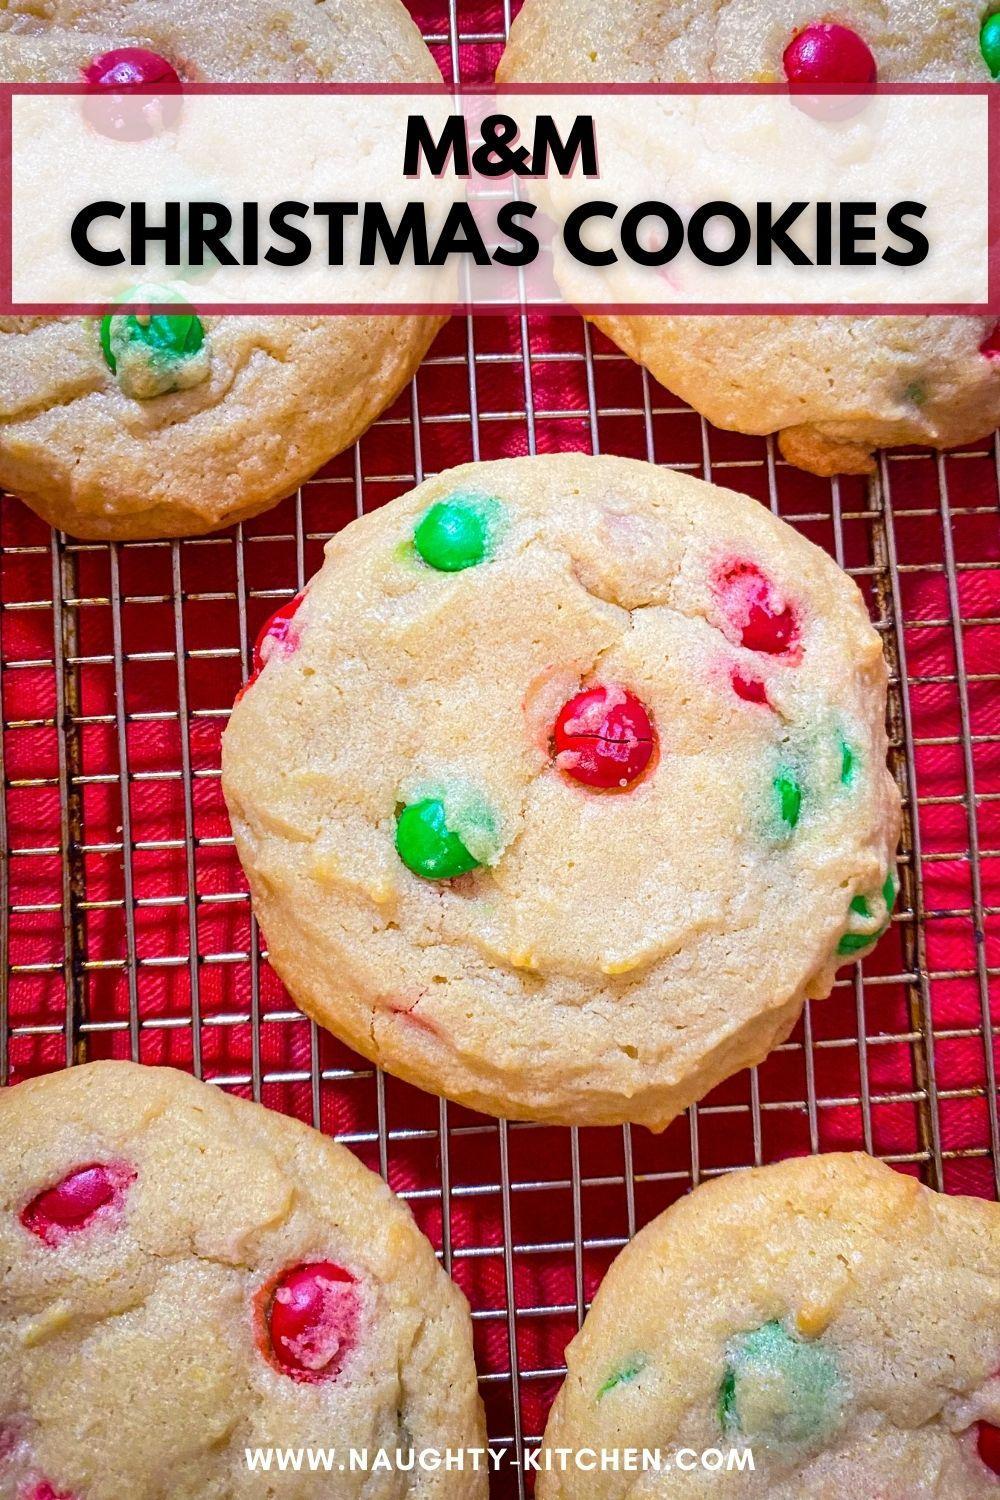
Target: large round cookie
point(580, 910)
point(832, 388)
point(184, 1275)
point(264, 401)
point(831, 1316)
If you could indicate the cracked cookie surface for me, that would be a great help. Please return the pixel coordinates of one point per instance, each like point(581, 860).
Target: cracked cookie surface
point(832, 388)
point(572, 830)
point(101, 455)
point(829, 1315)
point(185, 1274)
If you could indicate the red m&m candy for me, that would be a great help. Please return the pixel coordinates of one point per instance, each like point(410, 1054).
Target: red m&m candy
point(73, 1203)
point(757, 615)
point(275, 636)
point(133, 68)
point(135, 94)
point(988, 1445)
point(990, 347)
point(750, 689)
point(310, 1316)
point(604, 738)
point(827, 55)
point(276, 633)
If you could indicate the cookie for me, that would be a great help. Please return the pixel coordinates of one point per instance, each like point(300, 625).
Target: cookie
point(832, 388)
point(564, 785)
point(178, 425)
point(829, 1315)
point(185, 1275)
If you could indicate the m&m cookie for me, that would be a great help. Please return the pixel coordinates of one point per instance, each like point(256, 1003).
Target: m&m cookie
point(186, 1276)
point(146, 424)
point(833, 388)
point(563, 786)
point(822, 1328)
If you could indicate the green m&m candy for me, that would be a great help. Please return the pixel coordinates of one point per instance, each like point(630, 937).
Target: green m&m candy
point(848, 763)
point(989, 42)
point(778, 1389)
point(789, 796)
point(426, 844)
point(856, 942)
point(458, 533)
point(623, 1374)
point(151, 354)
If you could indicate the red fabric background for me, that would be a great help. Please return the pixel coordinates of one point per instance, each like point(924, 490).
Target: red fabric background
point(148, 839)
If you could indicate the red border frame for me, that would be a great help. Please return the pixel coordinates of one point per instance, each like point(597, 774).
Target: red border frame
point(8, 308)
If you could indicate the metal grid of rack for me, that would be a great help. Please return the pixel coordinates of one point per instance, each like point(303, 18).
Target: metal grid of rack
point(125, 919)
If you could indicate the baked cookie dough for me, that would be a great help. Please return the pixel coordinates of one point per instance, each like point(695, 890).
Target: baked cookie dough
point(832, 388)
point(184, 1275)
point(564, 786)
point(833, 1317)
point(178, 425)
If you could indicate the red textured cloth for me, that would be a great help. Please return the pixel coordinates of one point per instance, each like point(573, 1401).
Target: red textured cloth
point(127, 909)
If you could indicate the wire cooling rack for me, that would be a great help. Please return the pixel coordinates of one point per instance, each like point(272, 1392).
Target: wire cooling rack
point(126, 927)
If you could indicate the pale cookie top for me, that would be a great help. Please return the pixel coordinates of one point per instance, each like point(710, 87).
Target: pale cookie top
point(830, 1315)
point(833, 388)
point(137, 427)
point(566, 785)
point(638, 41)
point(184, 1274)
